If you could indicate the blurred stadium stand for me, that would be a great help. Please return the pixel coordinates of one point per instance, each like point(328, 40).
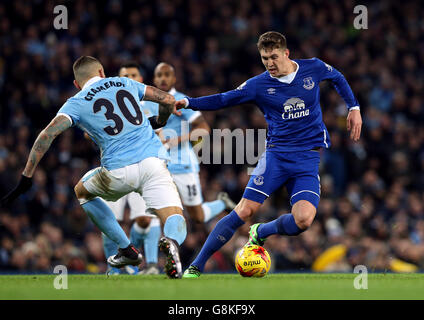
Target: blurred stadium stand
point(371, 210)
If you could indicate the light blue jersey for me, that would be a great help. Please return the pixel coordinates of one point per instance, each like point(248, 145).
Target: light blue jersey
point(183, 158)
point(108, 109)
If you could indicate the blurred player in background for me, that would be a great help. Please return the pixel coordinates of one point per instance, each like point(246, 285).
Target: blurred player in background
point(131, 157)
point(184, 166)
point(288, 95)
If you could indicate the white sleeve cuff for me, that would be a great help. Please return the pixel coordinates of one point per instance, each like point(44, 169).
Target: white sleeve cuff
point(186, 102)
point(354, 108)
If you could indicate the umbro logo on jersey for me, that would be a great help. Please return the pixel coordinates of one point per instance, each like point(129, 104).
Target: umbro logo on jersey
point(271, 90)
point(221, 238)
point(308, 83)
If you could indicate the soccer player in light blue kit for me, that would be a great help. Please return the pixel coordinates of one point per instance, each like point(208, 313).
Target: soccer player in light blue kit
point(184, 166)
point(288, 95)
point(108, 110)
point(145, 230)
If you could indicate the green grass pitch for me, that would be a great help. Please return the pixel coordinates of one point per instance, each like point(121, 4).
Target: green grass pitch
point(214, 287)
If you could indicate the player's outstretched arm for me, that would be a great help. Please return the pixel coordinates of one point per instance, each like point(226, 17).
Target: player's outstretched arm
point(165, 100)
point(244, 93)
point(41, 145)
point(354, 119)
point(44, 140)
point(354, 124)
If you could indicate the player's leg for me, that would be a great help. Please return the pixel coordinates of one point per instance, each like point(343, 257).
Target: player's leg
point(88, 190)
point(304, 190)
point(145, 232)
point(290, 224)
point(150, 228)
point(221, 234)
point(189, 187)
point(110, 248)
point(161, 195)
point(212, 208)
point(140, 220)
point(139, 229)
point(264, 180)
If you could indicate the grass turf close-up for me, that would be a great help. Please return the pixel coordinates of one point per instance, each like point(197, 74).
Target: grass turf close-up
point(213, 287)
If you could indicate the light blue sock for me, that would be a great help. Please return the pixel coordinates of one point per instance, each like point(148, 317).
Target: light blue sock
point(110, 248)
point(136, 237)
point(148, 238)
point(175, 228)
point(151, 244)
point(212, 209)
point(105, 220)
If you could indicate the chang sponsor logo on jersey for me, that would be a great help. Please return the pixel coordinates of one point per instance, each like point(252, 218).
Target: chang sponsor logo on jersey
point(294, 108)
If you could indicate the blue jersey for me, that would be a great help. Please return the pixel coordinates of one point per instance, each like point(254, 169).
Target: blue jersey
point(183, 158)
point(290, 104)
point(108, 110)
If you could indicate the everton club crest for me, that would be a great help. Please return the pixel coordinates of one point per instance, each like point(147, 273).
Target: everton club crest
point(308, 83)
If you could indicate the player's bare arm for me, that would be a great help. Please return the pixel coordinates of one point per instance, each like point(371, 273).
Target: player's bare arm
point(164, 112)
point(159, 96)
point(40, 147)
point(43, 142)
point(165, 100)
point(354, 124)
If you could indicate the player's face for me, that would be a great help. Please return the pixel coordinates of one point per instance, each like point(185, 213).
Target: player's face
point(276, 61)
point(132, 73)
point(164, 78)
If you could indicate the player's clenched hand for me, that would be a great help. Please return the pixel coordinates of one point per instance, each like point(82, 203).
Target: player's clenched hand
point(176, 112)
point(354, 124)
point(23, 186)
point(181, 104)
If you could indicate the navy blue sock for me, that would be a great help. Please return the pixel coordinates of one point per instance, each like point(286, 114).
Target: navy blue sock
point(219, 236)
point(283, 225)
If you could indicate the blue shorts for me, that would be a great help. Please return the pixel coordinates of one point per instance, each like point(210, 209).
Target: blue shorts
point(298, 171)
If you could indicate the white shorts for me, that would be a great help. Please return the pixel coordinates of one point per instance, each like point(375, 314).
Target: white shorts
point(188, 185)
point(136, 204)
point(149, 177)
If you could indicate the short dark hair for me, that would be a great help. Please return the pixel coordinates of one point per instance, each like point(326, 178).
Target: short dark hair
point(272, 40)
point(83, 67)
point(130, 64)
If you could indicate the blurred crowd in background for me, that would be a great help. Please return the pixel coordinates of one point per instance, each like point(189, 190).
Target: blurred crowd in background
point(372, 191)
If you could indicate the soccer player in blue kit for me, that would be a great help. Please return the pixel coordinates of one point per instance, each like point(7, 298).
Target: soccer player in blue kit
point(288, 95)
point(132, 158)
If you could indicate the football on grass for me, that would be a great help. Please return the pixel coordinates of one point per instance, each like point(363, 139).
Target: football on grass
point(252, 261)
